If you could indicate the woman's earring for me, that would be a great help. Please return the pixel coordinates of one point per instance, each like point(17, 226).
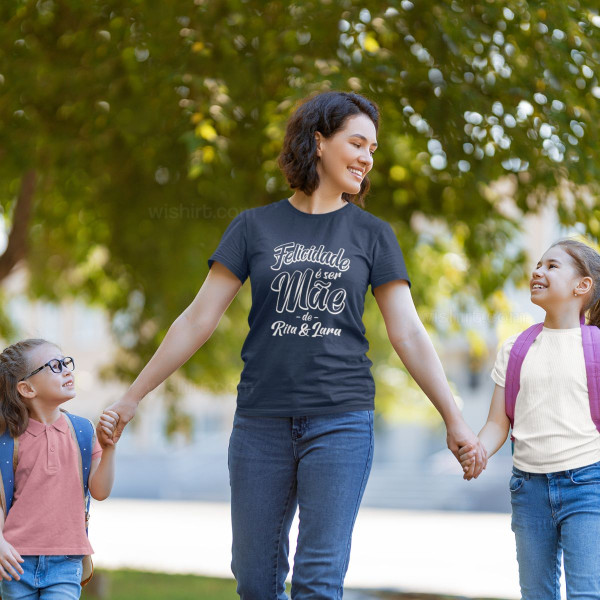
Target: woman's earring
point(574, 293)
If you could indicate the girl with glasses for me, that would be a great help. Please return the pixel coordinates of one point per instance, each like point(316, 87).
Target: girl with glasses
point(43, 536)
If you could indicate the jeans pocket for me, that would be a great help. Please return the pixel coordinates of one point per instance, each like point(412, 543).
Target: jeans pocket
point(74, 557)
point(516, 481)
point(588, 474)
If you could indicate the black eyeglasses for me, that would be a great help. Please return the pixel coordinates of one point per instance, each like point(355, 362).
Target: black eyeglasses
point(56, 366)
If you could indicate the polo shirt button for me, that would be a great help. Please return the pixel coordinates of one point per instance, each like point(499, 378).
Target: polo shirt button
point(51, 449)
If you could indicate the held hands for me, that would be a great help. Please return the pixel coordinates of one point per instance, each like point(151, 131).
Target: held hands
point(460, 436)
point(106, 428)
point(466, 457)
point(125, 411)
point(9, 561)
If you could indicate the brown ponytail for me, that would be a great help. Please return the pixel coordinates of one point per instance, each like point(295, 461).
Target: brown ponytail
point(14, 365)
point(587, 263)
point(594, 314)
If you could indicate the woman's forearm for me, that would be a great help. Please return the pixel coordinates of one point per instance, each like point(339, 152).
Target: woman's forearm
point(183, 339)
point(187, 333)
point(421, 360)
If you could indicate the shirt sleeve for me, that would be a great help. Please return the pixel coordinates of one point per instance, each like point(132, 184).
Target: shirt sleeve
point(232, 249)
point(97, 450)
point(388, 261)
point(499, 371)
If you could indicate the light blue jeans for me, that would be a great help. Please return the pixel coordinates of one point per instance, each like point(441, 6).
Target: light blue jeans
point(320, 464)
point(555, 514)
point(46, 577)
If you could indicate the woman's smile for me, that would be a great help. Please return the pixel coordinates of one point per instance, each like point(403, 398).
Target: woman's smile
point(358, 173)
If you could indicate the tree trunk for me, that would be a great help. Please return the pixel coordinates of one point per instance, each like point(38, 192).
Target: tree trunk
point(17, 238)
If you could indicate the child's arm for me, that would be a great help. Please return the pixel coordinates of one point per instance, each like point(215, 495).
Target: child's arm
point(102, 474)
point(9, 557)
point(493, 434)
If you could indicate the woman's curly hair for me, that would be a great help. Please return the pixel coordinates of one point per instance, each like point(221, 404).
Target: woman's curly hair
point(326, 113)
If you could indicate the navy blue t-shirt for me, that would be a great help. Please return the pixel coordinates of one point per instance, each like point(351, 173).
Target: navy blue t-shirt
point(305, 353)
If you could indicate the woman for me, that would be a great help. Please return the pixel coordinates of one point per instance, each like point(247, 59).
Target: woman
point(303, 428)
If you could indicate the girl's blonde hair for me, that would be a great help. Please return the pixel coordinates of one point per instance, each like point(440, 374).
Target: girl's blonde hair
point(14, 365)
point(587, 263)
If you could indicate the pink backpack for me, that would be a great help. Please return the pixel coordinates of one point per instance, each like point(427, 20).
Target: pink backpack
point(590, 335)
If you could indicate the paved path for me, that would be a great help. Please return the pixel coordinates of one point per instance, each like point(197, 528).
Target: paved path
point(462, 554)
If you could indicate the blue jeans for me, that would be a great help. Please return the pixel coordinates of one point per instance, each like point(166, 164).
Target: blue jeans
point(554, 514)
point(319, 464)
point(46, 577)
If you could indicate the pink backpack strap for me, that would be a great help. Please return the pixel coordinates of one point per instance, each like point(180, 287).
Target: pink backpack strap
point(590, 335)
point(513, 369)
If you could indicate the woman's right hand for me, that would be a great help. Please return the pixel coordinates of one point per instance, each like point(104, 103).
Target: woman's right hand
point(9, 561)
point(106, 428)
point(125, 408)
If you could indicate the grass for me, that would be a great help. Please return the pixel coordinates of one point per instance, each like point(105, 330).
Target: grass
point(137, 585)
point(134, 585)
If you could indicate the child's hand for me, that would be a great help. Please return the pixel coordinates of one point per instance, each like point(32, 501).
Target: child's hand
point(106, 427)
point(9, 561)
point(466, 457)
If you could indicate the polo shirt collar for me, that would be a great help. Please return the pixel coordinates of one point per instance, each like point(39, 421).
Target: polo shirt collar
point(35, 427)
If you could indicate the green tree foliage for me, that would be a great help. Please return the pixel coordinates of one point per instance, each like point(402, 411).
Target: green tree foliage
point(133, 132)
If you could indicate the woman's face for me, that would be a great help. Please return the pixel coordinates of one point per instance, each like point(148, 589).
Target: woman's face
point(347, 156)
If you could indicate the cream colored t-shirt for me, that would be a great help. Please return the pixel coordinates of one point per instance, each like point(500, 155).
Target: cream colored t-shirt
point(553, 427)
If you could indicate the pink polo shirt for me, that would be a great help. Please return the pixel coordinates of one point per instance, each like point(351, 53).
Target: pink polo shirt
point(48, 513)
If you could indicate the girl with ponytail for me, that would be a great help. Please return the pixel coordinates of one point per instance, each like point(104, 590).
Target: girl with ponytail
point(43, 521)
point(587, 262)
point(13, 366)
point(548, 388)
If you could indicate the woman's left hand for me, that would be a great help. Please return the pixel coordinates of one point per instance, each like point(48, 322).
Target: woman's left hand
point(459, 434)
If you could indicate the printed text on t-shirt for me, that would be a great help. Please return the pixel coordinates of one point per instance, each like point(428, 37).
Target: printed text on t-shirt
point(308, 290)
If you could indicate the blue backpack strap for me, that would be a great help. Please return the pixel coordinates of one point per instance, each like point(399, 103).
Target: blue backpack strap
point(8, 451)
point(84, 432)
